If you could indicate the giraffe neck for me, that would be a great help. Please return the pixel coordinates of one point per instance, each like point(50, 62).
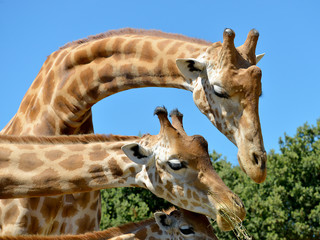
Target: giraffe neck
point(74, 78)
point(42, 167)
point(138, 230)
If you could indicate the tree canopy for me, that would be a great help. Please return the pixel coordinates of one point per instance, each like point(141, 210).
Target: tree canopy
point(285, 206)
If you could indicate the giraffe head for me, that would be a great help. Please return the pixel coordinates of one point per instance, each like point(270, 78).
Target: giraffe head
point(177, 167)
point(183, 224)
point(227, 87)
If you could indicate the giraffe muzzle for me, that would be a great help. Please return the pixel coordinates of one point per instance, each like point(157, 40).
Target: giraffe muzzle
point(254, 165)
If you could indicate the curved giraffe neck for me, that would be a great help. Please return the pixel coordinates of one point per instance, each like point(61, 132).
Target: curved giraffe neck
point(77, 76)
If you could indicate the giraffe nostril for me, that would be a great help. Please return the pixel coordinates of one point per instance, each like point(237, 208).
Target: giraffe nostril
point(255, 157)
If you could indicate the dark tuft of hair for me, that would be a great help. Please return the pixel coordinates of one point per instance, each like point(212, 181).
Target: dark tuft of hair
point(160, 110)
point(175, 112)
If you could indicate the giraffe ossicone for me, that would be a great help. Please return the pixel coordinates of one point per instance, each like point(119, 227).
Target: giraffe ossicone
point(172, 224)
point(172, 165)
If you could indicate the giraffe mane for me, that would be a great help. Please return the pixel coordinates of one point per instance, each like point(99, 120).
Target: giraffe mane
point(64, 139)
point(125, 31)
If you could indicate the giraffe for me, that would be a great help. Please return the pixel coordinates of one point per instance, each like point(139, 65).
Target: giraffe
point(172, 165)
point(224, 81)
point(172, 224)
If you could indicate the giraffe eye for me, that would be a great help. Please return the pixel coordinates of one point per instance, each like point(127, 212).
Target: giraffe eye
point(220, 92)
point(176, 164)
point(186, 230)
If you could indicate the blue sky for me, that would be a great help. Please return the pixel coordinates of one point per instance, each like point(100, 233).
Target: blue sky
point(289, 35)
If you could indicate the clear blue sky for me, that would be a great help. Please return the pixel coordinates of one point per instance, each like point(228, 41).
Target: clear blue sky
point(289, 35)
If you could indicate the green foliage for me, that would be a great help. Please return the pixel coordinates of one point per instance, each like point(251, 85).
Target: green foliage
point(122, 205)
point(285, 206)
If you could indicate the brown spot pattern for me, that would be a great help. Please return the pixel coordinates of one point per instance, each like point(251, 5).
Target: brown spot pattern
point(147, 53)
point(83, 223)
point(189, 193)
point(73, 162)
point(172, 67)
point(163, 44)
point(53, 155)
point(130, 47)
point(74, 90)
point(34, 110)
point(97, 174)
point(6, 201)
point(142, 234)
point(86, 77)
point(158, 70)
point(80, 183)
point(81, 57)
point(50, 208)
point(115, 169)
point(126, 70)
point(196, 95)
point(48, 88)
point(99, 49)
point(84, 199)
point(37, 81)
point(33, 203)
point(25, 103)
point(184, 202)
point(4, 157)
point(169, 187)
point(50, 179)
point(61, 104)
point(106, 73)
point(63, 228)
point(29, 162)
point(174, 48)
point(94, 205)
point(55, 227)
point(117, 44)
point(195, 196)
point(11, 215)
point(98, 155)
point(159, 190)
point(33, 226)
point(69, 211)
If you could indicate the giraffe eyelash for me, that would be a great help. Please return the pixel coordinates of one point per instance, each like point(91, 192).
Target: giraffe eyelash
point(220, 92)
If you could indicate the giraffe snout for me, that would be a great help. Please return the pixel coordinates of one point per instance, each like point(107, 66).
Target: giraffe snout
point(254, 164)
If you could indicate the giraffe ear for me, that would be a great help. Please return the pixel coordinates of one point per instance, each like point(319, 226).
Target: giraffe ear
point(136, 153)
point(163, 220)
point(259, 57)
point(190, 68)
